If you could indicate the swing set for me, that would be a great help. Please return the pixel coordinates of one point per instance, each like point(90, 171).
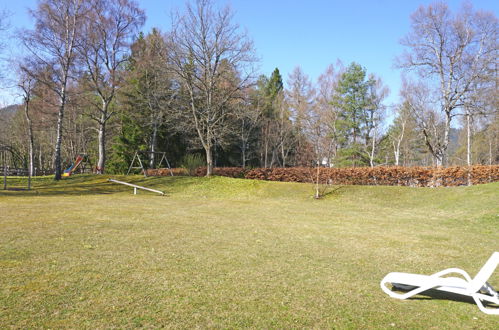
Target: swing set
point(9, 164)
point(140, 156)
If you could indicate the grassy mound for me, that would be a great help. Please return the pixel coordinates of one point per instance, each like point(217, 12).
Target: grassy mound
point(220, 252)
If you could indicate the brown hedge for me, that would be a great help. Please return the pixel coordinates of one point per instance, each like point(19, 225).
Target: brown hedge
point(382, 175)
point(166, 172)
point(231, 172)
point(390, 176)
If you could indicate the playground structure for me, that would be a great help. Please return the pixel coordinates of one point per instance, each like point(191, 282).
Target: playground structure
point(135, 187)
point(139, 157)
point(10, 163)
point(82, 161)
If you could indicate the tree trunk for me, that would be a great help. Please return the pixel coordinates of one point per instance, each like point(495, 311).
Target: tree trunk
point(468, 139)
point(443, 151)
point(266, 151)
point(40, 160)
point(57, 151)
point(317, 187)
point(396, 153)
point(154, 142)
point(373, 149)
point(101, 163)
point(438, 159)
point(30, 139)
point(490, 152)
point(102, 147)
point(283, 155)
point(209, 160)
point(468, 145)
point(244, 154)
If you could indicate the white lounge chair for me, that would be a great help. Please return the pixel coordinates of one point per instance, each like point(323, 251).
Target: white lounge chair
point(477, 288)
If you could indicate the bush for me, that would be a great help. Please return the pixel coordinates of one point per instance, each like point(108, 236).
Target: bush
point(231, 172)
point(389, 176)
point(166, 172)
point(191, 162)
point(382, 175)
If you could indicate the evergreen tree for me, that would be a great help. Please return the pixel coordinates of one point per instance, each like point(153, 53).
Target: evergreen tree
point(352, 98)
point(272, 90)
point(147, 97)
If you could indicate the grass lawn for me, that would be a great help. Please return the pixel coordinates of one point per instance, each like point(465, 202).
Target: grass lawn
point(229, 253)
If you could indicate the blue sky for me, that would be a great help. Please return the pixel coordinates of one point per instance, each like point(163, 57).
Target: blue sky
point(311, 34)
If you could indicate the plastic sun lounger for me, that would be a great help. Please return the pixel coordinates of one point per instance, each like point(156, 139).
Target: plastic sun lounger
point(477, 288)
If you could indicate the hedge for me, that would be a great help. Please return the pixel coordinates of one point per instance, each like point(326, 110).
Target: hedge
point(381, 175)
point(166, 172)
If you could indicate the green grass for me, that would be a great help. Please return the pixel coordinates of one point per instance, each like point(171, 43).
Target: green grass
point(229, 253)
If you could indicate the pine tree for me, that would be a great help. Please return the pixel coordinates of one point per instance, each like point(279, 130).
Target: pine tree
point(354, 102)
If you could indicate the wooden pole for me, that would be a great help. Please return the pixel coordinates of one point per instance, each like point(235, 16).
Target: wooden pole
point(131, 164)
point(3, 158)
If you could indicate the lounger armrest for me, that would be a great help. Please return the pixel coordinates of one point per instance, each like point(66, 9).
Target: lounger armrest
point(448, 271)
point(485, 272)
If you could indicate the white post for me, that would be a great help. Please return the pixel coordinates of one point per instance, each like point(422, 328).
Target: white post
point(135, 190)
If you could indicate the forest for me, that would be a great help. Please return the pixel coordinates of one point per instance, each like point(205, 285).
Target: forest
point(93, 82)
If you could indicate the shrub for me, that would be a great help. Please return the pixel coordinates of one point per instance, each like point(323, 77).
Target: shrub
point(381, 175)
point(166, 172)
point(231, 172)
point(191, 162)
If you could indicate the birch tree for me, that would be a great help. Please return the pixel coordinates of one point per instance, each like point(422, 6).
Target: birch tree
point(373, 119)
point(26, 85)
point(300, 98)
point(397, 132)
point(52, 44)
point(327, 113)
point(203, 40)
point(449, 52)
point(109, 29)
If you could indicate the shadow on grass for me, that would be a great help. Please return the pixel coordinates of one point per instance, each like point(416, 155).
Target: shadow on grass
point(334, 191)
point(434, 294)
point(98, 185)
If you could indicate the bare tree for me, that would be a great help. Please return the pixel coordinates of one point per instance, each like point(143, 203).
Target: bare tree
point(109, 29)
point(450, 52)
point(4, 28)
point(375, 116)
point(283, 133)
point(326, 110)
point(300, 98)
point(249, 112)
point(431, 123)
point(52, 44)
point(398, 132)
point(26, 85)
point(206, 49)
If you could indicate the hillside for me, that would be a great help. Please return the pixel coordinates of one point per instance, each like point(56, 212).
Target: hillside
point(9, 111)
point(6, 115)
point(230, 253)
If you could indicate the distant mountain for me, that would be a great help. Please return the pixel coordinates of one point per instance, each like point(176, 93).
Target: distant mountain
point(9, 111)
point(6, 115)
